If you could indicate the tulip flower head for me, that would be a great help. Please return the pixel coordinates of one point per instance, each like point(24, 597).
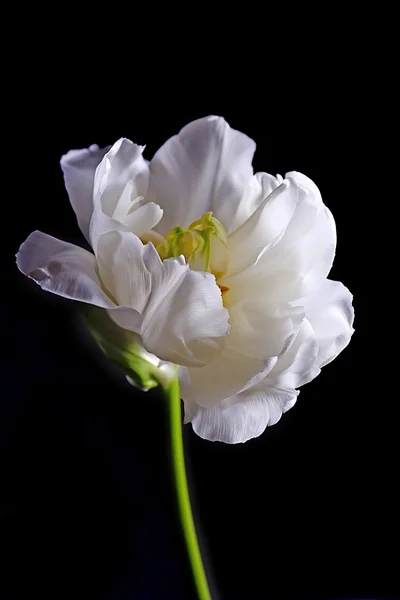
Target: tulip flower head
point(200, 266)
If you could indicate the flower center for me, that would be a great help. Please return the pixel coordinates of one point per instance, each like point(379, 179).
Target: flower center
point(204, 244)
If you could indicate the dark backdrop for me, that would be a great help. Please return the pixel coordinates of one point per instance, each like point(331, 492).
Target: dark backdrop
point(309, 509)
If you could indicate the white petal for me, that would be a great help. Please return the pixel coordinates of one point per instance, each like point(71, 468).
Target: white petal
point(135, 214)
point(242, 417)
point(120, 178)
point(184, 320)
point(225, 376)
point(301, 258)
point(269, 364)
point(259, 329)
point(100, 224)
point(331, 315)
point(260, 186)
point(62, 268)
point(127, 201)
point(122, 269)
point(127, 318)
point(143, 218)
point(247, 414)
point(264, 228)
point(79, 167)
point(298, 365)
point(304, 181)
point(206, 167)
point(257, 335)
point(123, 163)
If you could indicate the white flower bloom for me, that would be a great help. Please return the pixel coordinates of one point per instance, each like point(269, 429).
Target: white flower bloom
point(217, 270)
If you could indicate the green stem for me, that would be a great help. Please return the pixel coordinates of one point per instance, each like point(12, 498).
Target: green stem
point(182, 491)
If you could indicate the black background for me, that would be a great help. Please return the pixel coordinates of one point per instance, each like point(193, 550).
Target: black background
point(309, 509)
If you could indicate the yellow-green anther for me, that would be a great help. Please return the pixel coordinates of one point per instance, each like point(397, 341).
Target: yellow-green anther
point(178, 241)
point(210, 224)
point(204, 245)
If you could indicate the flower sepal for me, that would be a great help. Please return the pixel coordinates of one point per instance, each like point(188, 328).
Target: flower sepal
point(125, 350)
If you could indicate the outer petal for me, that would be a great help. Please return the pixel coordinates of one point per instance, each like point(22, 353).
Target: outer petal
point(241, 418)
point(320, 338)
point(79, 167)
point(299, 259)
point(246, 414)
point(259, 333)
point(221, 378)
point(206, 167)
point(331, 315)
point(298, 365)
point(62, 268)
point(260, 330)
point(264, 229)
point(183, 319)
point(260, 187)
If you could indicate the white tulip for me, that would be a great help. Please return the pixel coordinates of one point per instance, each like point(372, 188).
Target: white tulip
point(211, 267)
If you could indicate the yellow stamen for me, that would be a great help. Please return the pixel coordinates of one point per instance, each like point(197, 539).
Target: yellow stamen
point(204, 244)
